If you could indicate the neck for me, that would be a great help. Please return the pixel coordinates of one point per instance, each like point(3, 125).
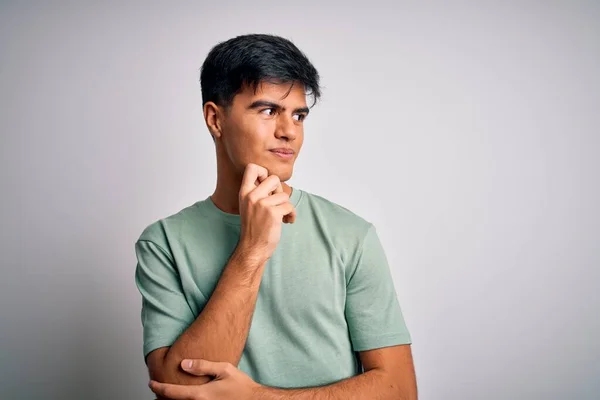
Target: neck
point(226, 194)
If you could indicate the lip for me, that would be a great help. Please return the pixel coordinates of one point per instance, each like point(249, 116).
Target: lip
point(283, 152)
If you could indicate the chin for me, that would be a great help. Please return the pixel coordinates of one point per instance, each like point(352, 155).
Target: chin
point(283, 172)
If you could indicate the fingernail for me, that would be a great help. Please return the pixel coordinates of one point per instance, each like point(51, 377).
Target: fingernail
point(187, 364)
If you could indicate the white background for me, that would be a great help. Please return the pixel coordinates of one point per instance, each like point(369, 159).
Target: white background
point(467, 132)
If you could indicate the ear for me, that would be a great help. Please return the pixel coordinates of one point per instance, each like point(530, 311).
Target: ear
point(212, 116)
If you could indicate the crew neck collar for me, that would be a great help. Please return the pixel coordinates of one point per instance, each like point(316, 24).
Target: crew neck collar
point(212, 210)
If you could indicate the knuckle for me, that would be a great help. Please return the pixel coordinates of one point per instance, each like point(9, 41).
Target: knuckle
point(252, 198)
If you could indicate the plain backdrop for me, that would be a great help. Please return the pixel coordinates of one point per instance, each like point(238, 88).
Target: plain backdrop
point(467, 132)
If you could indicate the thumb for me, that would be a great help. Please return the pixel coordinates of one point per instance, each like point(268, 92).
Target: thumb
point(204, 367)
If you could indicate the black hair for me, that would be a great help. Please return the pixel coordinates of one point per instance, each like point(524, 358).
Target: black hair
point(250, 59)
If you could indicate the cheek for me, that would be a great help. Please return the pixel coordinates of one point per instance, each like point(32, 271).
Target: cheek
point(254, 134)
point(247, 138)
point(259, 129)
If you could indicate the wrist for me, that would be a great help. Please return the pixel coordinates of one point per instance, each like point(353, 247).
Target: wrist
point(249, 256)
point(259, 392)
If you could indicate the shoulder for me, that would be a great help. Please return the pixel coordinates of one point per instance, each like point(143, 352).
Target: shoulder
point(338, 218)
point(166, 229)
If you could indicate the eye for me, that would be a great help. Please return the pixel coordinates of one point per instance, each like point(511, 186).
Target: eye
point(300, 117)
point(268, 111)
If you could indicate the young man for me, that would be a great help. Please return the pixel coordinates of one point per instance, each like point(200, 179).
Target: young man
point(272, 292)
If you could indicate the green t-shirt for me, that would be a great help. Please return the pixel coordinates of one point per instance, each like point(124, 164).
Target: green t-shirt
point(326, 292)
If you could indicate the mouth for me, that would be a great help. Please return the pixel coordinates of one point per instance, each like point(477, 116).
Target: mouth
point(283, 153)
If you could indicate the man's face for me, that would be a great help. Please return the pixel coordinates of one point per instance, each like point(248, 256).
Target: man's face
point(265, 128)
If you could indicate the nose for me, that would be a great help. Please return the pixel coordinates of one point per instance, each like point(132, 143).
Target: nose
point(286, 128)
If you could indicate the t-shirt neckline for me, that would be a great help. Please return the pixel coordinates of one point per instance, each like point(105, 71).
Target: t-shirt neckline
point(235, 219)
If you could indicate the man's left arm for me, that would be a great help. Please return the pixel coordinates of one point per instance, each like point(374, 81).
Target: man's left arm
point(389, 374)
point(377, 332)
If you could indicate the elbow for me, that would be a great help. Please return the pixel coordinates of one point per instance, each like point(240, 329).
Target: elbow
point(156, 362)
point(401, 388)
point(162, 367)
point(407, 393)
point(407, 396)
point(403, 393)
point(167, 369)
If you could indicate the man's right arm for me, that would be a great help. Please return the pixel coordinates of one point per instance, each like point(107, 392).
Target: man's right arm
point(219, 333)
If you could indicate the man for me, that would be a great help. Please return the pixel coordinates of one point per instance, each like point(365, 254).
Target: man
point(270, 291)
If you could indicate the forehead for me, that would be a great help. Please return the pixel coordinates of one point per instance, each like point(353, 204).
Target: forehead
point(282, 93)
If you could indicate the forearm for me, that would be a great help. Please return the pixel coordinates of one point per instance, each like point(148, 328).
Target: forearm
point(374, 384)
point(220, 331)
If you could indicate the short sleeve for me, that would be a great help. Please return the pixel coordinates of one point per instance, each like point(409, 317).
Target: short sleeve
point(165, 310)
point(373, 312)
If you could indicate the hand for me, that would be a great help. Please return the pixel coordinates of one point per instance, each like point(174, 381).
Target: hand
point(228, 383)
point(263, 208)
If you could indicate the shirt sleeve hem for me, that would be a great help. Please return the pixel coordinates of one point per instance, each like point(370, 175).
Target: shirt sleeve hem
point(156, 344)
point(377, 342)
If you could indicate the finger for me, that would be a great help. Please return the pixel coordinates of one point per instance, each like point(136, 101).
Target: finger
point(279, 188)
point(173, 392)
point(278, 199)
point(275, 199)
point(205, 367)
point(285, 209)
point(252, 173)
point(290, 218)
point(268, 186)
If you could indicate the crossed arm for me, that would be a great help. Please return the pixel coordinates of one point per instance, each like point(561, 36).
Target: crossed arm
point(389, 374)
point(219, 334)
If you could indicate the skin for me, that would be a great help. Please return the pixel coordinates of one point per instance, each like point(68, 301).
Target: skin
point(246, 131)
point(251, 182)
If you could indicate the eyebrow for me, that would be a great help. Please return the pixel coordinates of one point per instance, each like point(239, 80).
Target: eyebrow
point(269, 104)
